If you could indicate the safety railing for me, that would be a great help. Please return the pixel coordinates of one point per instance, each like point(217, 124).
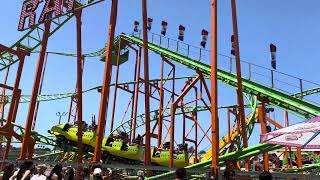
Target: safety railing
point(269, 77)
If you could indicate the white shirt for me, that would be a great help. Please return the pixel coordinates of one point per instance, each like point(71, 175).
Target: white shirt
point(39, 177)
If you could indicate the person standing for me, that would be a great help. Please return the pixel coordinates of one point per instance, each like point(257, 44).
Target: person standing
point(24, 172)
point(181, 174)
point(41, 169)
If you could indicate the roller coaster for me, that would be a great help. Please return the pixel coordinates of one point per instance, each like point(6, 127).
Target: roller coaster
point(175, 98)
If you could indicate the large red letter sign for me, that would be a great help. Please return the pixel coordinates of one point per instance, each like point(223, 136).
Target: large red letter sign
point(69, 4)
point(28, 10)
point(50, 7)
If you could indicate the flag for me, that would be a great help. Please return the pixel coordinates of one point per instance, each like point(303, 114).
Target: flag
point(181, 32)
point(273, 50)
point(149, 23)
point(136, 26)
point(164, 25)
point(233, 50)
point(204, 37)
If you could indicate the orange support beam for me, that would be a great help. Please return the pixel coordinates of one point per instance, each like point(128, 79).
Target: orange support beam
point(79, 92)
point(35, 89)
point(16, 87)
point(160, 118)
point(273, 122)
point(173, 113)
point(115, 87)
point(262, 121)
point(6, 86)
point(214, 90)
point(137, 52)
point(229, 125)
point(286, 149)
point(40, 91)
point(106, 83)
point(10, 129)
point(147, 148)
point(239, 81)
point(299, 158)
point(3, 95)
point(19, 52)
point(136, 93)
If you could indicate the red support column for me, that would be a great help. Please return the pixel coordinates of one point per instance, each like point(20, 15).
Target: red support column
point(299, 158)
point(214, 90)
point(79, 93)
point(286, 124)
point(106, 83)
point(173, 113)
point(15, 94)
point(15, 88)
point(286, 149)
point(2, 106)
point(133, 92)
point(3, 94)
point(291, 161)
point(11, 131)
point(115, 87)
point(40, 91)
point(35, 89)
point(196, 126)
point(160, 118)
point(239, 81)
point(136, 94)
point(183, 123)
point(71, 108)
point(147, 149)
point(262, 120)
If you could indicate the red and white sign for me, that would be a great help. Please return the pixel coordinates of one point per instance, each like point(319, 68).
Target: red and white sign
point(305, 135)
point(51, 9)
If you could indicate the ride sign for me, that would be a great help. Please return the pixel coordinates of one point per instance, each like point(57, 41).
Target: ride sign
point(51, 9)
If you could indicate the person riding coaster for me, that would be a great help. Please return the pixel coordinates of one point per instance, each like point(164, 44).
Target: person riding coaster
point(138, 140)
point(110, 140)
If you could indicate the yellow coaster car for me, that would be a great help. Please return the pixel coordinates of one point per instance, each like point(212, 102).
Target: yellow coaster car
point(162, 158)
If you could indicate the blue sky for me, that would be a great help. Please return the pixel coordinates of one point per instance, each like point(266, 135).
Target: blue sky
point(291, 25)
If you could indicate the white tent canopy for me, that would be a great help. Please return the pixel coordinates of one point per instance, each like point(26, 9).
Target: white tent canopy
point(304, 135)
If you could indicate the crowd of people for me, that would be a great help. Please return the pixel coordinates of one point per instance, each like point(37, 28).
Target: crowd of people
point(280, 164)
point(27, 170)
point(231, 175)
